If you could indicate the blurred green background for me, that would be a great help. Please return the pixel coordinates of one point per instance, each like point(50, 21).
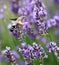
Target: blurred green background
point(7, 40)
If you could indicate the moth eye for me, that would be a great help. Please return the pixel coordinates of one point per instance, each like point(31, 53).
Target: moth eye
point(13, 26)
point(11, 30)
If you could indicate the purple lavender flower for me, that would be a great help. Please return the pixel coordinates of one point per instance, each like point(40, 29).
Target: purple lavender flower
point(51, 23)
point(20, 11)
point(43, 40)
point(32, 52)
point(15, 30)
point(57, 32)
point(14, 6)
point(11, 56)
point(56, 2)
point(25, 50)
point(57, 20)
point(21, 63)
point(34, 19)
point(30, 63)
point(1, 58)
point(2, 13)
point(3, 7)
point(15, 54)
point(39, 52)
point(52, 47)
point(14, 9)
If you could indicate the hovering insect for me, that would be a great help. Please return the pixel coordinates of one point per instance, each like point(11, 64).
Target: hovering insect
point(15, 28)
point(18, 21)
point(15, 23)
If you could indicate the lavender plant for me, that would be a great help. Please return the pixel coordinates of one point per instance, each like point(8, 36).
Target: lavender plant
point(32, 52)
point(11, 56)
point(35, 23)
point(56, 2)
point(32, 23)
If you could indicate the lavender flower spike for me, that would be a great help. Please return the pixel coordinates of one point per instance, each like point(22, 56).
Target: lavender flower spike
point(11, 56)
point(32, 52)
point(52, 47)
